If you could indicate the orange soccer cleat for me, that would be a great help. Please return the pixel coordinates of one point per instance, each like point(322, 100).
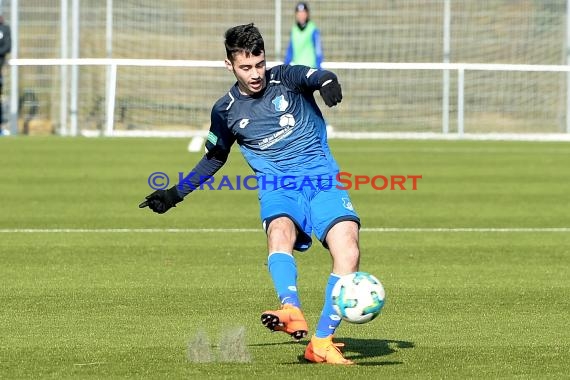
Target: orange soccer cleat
point(288, 318)
point(324, 350)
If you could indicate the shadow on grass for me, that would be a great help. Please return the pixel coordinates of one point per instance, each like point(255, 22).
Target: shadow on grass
point(372, 348)
point(359, 349)
point(356, 349)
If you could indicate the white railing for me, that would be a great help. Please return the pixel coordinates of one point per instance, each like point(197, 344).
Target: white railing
point(459, 68)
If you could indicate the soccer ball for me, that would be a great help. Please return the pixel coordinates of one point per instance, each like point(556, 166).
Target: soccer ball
point(358, 297)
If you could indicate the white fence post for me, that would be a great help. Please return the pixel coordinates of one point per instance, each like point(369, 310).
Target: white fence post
point(568, 63)
point(460, 101)
point(73, 107)
point(14, 88)
point(111, 95)
point(278, 16)
point(64, 40)
point(446, 56)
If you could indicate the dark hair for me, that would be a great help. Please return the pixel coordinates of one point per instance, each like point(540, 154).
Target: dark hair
point(244, 39)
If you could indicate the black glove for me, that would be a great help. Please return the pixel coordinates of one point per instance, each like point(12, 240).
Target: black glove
point(330, 90)
point(162, 200)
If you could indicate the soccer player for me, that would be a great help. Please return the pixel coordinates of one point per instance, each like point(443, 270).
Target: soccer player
point(273, 117)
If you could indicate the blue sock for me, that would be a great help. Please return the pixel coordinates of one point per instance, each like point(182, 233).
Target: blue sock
point(283, 270)
point(329, 320)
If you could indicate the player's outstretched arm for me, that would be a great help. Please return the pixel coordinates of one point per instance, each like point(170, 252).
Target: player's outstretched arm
point(161, 201)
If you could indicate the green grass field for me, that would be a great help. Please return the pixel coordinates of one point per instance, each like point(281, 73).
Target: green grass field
point(93, 287)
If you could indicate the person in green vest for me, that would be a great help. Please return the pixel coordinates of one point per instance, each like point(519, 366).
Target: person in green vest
point(305, 43)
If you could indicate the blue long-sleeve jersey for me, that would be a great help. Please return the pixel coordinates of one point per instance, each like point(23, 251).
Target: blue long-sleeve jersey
point(281, 131)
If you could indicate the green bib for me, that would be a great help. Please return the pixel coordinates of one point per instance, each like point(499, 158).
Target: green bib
point(304, 52)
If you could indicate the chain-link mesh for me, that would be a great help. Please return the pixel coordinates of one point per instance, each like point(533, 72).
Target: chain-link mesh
point(497, 31)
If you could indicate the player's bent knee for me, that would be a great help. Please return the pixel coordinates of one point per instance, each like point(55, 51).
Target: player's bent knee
point(281, 234)
point(343, 234)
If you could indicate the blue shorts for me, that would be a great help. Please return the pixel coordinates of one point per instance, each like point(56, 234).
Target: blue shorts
point(312, 210)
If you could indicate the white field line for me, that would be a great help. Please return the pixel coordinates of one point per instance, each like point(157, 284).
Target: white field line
point(88, 364)
point(248, 230)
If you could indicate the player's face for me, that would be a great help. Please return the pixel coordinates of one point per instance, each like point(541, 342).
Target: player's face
point(302, 17)
point(249, 72)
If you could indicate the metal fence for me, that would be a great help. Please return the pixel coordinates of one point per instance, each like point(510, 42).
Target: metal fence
point(494, 31)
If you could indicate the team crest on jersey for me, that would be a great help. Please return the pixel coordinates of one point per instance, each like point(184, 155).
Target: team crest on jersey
point(347, 204)
point(280, 103)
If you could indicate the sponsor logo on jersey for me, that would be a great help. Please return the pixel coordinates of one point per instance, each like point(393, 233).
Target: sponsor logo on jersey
point(243, 123)
point(275, 137)
point(287, 120)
